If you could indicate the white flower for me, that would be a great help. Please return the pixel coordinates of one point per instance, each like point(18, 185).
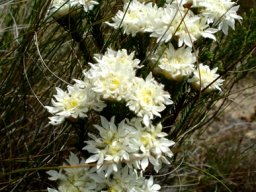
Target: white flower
point(79, 179)
point(149, 185)
point(221, 12)
point(93, 99)
point(86, 4)
point(163, 23)
point(174, 19)
point(70, 103)
point(118, 59)
point(112, 147)
point(73, 179)
point(60, 8)
point(204, 76)
point(147, 98)
point(75, 102)
point(192, 28)
point(171, 19)
point(134, 17)
point(154, 147)
point(112, 85)
point(112, 75)
point(178, 63)
point(129, 142)
point(126, 180)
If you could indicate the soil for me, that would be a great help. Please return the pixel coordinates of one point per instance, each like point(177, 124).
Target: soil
point(240, 115)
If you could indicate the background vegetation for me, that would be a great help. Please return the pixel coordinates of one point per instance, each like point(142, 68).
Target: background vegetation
point(38, 53)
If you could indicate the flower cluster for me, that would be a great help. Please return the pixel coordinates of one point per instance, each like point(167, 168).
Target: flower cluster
point(60, 8)
point(135, 142)
point(177, 20)
point(163, 23)
point(77, 177)
point(129, 142)
point(120, 151)
point(179, 63)
point(111, 78)
point(174, 19)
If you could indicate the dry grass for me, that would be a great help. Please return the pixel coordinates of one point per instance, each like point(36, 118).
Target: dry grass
point(37, 54)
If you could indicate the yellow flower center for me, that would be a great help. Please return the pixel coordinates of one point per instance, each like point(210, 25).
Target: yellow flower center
point(178, 60)
point(114, 189)
point(147, 96)
point(70, 103)
point(146, 139)
point(115, 83)
point(114, 148)
point(112, 82)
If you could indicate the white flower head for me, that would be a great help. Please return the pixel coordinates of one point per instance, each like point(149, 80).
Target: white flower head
point(86, 4)
point(192, 28)
point(150, 186)
point(177, 63)
point(71, 103)
point(163, 23)
point(134, 17)
point(204, 76)
point(221, 12)
point(174, 20)
point(78, 179)
point(60, 8)
point(154, 146)
point(120, 60)
point(112, 147)
point(73, 179)
point(111, 76)
point(94, 100)
point(126, 179)
point(147, 98)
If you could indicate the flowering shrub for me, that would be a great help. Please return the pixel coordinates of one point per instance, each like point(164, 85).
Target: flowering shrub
point(125, 144)
point(122, 84)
